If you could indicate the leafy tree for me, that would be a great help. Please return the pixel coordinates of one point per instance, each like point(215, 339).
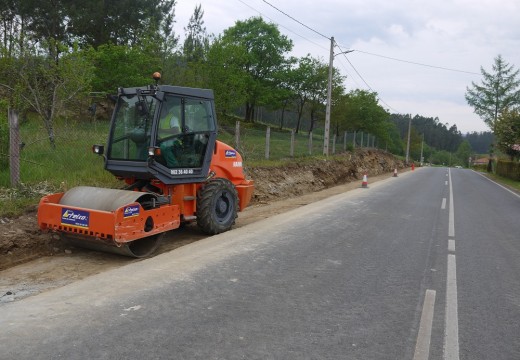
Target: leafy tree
point(442, 157)
point(123, 22)
point(262, 55)
point(507, 131)
point(464, 152)
point(121, 66)
point(498, 92)
point(225, 76)
point(48, 87)
point(362, 112)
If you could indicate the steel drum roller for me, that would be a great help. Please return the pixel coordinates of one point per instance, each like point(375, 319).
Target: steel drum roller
point(102, 199)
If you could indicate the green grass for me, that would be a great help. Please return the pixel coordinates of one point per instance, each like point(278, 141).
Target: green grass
point(72, 163)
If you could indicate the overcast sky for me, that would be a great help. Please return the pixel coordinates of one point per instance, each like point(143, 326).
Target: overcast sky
point(460, 35)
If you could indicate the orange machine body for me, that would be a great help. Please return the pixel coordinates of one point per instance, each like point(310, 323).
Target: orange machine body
point(131, 221)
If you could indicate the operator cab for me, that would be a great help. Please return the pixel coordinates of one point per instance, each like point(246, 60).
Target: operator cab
point(163, 132)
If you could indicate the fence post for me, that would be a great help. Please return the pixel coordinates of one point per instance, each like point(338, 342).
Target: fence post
point(354, 141)
point(345, 142)
point(361, 142)
point(14, 147)
point(292, 143)
point(333, 144)
point(310, 143)
point(267, 141)
point(237, 135)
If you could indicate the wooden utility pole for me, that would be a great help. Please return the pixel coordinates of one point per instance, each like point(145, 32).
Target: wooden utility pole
point(14, 147)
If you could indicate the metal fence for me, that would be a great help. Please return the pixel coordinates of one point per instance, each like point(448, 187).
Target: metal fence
point(274, 144)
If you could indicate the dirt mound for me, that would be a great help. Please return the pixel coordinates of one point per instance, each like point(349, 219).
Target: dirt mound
point(302, 176)
point(21, 240)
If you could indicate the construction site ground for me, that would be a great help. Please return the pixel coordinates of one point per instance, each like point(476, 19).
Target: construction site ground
point(32, 262)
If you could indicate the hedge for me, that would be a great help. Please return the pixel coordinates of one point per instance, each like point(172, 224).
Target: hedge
point(509, 169)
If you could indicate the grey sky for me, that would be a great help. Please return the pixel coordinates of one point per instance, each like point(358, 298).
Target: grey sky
point(454, 34)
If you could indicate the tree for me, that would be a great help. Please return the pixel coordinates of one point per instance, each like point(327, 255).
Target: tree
point(48, 87)
point(498, 91)
point(225, 76)
point(480, 141)
point(263, 49)
point(507, 131)
point(463, 153)
point(363, 112)
point(123, 22)
point(121, 66)
point(196, 43)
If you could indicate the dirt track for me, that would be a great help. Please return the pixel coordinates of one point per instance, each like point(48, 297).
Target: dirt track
point(33, 262)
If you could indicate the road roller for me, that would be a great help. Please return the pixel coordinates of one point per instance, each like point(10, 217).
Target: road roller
point(163, 146)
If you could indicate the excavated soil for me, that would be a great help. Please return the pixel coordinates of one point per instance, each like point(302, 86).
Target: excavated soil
point(32, 261)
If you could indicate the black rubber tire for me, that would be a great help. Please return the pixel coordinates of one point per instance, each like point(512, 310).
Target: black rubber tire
point(217, 206)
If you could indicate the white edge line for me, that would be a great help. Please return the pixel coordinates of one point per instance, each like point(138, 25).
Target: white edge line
point(494, 182)
point(422, 347)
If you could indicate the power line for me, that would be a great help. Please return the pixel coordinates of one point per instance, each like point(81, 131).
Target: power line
point(299, 22)
point(361, 77)
point(418, 64)
point(286, 28)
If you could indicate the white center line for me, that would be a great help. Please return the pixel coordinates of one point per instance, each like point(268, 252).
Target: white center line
point(451, 245)
point(451, 224)
point(451, 330)
point(422, 347)
point(443, 205)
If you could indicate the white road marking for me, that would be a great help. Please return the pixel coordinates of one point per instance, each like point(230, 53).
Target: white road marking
point(451, 245)
point(443, 205)
point(451, 326)
point(422, 347)
point(451, 224)
point(446, 182)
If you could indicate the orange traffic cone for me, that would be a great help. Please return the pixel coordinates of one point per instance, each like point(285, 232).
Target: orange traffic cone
point(364, 184)
point(395, 172)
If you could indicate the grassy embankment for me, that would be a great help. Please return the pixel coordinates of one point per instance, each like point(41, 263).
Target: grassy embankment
point(45, 170)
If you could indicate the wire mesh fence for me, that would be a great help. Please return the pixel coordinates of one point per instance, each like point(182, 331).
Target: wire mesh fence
point(71, 162)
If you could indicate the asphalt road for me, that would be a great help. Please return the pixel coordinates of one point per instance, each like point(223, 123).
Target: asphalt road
point(423, 266)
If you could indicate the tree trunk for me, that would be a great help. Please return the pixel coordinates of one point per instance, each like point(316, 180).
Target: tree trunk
point(250, 112)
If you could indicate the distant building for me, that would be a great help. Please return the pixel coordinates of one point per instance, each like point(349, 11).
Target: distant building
point(481, 161)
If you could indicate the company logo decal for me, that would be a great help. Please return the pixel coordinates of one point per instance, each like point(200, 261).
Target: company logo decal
point(231, 154)
point(131, 210)
point(78, 218)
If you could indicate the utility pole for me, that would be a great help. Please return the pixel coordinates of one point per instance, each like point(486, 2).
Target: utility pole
point(329, 95)
point(326, 135)
point(422, 147)
point(408, 142)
